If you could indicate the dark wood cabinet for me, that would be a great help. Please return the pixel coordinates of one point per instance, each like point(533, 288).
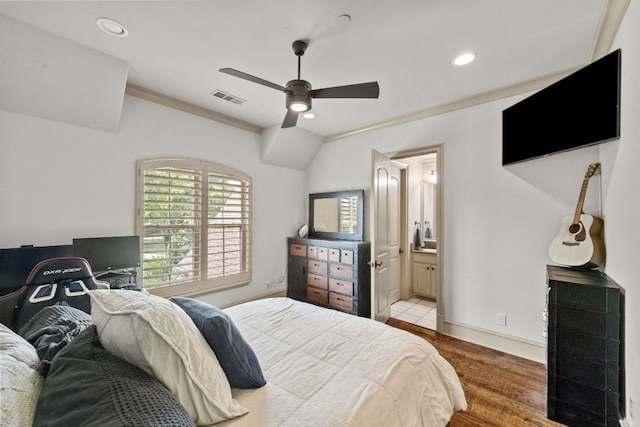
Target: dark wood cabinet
point(585, 348)
point(330, 273)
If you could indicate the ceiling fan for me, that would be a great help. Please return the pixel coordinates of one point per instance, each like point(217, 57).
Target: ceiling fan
point(299, 92)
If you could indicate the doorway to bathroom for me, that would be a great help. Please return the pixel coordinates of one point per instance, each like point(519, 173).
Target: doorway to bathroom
point(418, 214)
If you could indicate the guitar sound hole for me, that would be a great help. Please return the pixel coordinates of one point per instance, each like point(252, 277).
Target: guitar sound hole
point(574, 228)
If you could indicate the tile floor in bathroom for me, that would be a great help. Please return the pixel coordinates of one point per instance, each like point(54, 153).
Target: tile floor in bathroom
point(417, 311)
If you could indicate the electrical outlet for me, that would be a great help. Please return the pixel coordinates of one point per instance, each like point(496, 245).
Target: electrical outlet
point(501, 319)
point(631, 409)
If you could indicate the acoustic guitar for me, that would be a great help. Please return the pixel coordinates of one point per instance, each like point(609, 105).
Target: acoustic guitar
point(579, 243)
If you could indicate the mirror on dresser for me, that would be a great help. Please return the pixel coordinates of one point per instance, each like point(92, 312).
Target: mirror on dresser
point(336, 215)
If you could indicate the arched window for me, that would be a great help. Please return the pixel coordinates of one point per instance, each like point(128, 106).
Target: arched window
point(194, 221)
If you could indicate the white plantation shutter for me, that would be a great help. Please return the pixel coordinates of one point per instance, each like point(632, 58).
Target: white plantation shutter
point(228, 228)
point(195, 219)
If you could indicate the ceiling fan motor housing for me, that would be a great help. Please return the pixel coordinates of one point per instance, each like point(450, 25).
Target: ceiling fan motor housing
point(298, 93)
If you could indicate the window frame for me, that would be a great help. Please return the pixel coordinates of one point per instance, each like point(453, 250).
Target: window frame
point(204, 168)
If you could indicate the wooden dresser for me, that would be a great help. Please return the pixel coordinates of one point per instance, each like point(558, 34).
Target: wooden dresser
point(585, 348)
point(331, 273)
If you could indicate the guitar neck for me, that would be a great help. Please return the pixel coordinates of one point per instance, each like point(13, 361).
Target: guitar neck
point(594, 168)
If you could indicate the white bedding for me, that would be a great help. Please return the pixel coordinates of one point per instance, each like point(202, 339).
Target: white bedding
point(327, 368)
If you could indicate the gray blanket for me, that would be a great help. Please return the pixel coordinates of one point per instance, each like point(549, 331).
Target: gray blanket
point(51, 329)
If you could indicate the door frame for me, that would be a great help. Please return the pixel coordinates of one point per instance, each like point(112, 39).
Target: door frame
point(440, 257)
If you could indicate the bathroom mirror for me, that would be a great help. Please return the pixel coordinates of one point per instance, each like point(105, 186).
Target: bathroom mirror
point(428, 209)
point(336, 215)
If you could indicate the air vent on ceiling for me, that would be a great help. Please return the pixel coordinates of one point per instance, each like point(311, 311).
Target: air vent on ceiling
point(228, 97)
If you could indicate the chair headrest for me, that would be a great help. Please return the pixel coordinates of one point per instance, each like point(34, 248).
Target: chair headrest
point(55, 269)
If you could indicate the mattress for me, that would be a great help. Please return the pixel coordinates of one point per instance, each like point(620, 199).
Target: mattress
point(328, 368)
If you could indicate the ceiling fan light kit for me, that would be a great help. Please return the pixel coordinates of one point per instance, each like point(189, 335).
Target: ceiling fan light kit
point(299, 93)
point(298, 98)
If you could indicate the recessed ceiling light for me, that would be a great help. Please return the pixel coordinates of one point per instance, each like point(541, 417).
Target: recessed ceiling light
point(111, 27)
point(308, 115)
point(465, 58)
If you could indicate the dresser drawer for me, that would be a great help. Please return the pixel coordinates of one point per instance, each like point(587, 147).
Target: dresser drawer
point(587, 347)
point(341, 301)
point(323, 253)
point(341, 286)
point(318, 252)
point(298, 250)
point(346, 256)
point(317, 281)
point(317, 267)
point(603, 325)
point(317, 295)
point(312, 251)
point(341, 270)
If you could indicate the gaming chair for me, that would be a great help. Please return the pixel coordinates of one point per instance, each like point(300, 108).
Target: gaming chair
point(53, 281)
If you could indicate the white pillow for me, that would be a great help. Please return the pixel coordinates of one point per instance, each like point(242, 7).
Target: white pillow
point(17, 347)
point(19, 392)
point(159, 337)
point(20, 383)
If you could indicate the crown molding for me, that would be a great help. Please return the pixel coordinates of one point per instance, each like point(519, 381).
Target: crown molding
point(612, 15)
point(471, 101)
point(168, 101)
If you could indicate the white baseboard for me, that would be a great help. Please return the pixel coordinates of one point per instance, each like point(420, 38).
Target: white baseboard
point(536, 351)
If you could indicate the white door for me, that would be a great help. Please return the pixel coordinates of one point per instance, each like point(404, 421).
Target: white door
point(380, 255)
point(394, 209)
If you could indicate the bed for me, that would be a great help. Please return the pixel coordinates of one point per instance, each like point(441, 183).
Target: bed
point(143, 360)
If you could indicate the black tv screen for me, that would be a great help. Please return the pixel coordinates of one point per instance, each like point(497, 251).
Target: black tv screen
point(109, 253)
point(16, 263)
point(580, 110)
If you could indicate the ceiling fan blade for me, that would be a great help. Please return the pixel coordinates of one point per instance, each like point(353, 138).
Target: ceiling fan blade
point(251, 78)
point(360, 90)
point(290, 119)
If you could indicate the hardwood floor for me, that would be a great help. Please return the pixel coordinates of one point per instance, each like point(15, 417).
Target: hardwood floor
point(501, 389)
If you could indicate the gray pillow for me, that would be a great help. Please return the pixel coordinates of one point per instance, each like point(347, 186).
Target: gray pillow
point(235, 355)
point(89, 386)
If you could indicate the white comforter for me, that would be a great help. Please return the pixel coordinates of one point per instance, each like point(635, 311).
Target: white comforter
point(327, 368)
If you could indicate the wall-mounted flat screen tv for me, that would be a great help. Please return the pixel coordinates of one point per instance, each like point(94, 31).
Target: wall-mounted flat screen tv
point(580, 110)
point(109, 253)
point(17, 263)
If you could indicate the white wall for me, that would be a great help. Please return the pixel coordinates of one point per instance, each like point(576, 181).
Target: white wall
point(499, 221)
point(60, 181)
point(621, 189)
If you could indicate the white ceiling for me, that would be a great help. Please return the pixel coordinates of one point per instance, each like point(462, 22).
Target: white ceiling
point(407, 46)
